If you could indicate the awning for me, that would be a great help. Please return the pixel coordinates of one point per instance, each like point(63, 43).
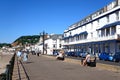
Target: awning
point(82, 33)
point(85, 33)
point(110, 25)
point(75, 35)
point(67, 37)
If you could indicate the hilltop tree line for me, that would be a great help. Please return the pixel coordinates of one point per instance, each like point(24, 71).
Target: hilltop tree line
point(27, 40)
point(5, 44)
point(22, 40)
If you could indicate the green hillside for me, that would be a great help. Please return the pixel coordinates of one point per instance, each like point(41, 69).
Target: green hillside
point(27, 39)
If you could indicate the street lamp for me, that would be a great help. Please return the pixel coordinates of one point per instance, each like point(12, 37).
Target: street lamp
point(43, 40)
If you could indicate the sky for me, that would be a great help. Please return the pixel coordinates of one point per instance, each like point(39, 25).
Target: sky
point(32, 17)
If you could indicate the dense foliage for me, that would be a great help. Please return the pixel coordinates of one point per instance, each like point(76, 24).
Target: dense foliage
point(27, 39)
point(5, 44)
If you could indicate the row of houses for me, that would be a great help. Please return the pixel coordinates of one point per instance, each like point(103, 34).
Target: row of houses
point(98, 32)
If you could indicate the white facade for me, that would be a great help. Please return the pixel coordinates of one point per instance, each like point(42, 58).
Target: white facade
point(53, 42)
point(99, 31)
point(49, 46)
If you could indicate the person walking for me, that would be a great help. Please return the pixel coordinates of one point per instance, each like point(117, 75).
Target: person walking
point(24, 56)
point(19, 54)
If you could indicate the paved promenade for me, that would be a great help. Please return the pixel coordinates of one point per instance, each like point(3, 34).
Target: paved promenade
point(19, 71)
point(47, 68)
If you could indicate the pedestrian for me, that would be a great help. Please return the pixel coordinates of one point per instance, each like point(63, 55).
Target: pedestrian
point(87, 60)
point(19, 54)
point(38, 53)
point(24, 56)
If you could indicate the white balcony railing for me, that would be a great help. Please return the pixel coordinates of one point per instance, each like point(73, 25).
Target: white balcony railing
point(112, 37)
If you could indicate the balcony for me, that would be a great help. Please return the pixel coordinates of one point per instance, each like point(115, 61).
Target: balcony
point(97, 39)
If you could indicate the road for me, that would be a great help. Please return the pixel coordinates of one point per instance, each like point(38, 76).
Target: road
point(45, 68)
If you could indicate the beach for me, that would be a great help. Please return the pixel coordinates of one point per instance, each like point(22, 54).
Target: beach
point(4, 60)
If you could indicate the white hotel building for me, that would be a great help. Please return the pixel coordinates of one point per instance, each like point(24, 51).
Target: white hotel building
point(98, 32)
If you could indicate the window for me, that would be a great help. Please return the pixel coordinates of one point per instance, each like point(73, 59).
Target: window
point(91, 35)
point(60, 45)
point(98, 23)
point(91, 25)
point(107, 31)
point(102, 33)
point(70, 33)
point(117, 15)
point(65, 35)
point(54, 46)
point(98, 33)
point(77, 38)
point(108, 18)
point(113, 31)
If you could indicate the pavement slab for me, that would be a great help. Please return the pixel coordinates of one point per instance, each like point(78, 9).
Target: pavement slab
point(18, 71)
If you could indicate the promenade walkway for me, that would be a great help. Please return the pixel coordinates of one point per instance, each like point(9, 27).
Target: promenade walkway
point(19, 72)
point(47, 68)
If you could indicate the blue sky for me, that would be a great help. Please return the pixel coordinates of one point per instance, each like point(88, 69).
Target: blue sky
point(31, 17)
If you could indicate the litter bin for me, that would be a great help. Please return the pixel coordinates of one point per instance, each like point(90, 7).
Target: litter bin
point(92, 62)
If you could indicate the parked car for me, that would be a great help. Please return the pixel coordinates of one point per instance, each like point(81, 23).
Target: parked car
point(115, 57)
point(78, 54)
point(71, 53)
point(66, 53)
point(104, 56)
point(83, 54)
point(55, 53)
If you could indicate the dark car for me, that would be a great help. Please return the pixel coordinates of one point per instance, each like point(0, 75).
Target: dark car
point(55, 53)
point(115, 57)
point(83, 54)
point(104, 56)
point(78, 54)
point(71, 53)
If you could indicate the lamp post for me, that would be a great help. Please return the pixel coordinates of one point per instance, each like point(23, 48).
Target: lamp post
point(43, 40)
